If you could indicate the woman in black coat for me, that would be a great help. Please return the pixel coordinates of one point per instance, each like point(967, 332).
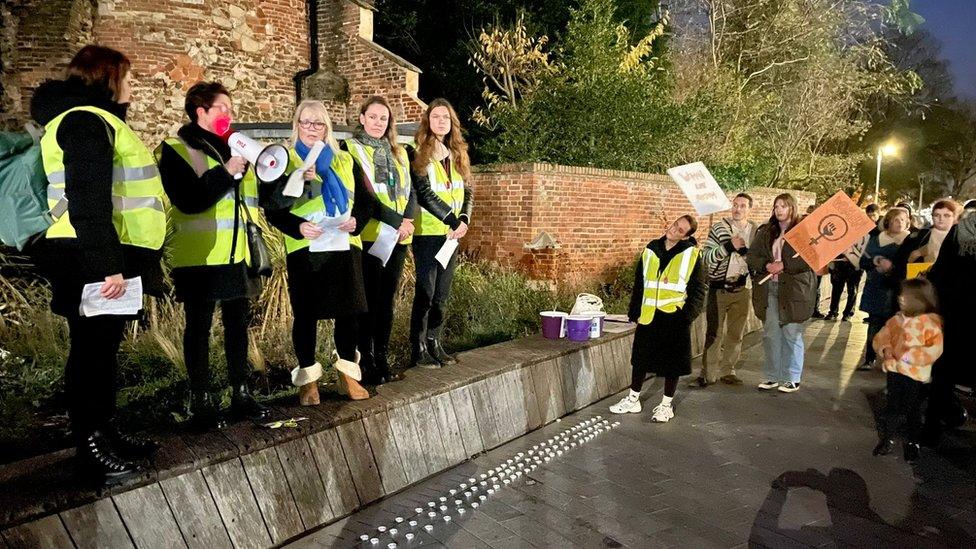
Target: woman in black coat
point(665, 301)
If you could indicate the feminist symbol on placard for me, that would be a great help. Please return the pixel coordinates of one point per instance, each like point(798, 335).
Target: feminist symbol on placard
point(832, 227)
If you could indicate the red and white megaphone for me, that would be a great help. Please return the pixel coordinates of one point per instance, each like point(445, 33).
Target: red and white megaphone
point(269, 161)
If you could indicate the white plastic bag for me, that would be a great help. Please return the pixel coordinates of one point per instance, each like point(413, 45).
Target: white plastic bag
point(587, 303)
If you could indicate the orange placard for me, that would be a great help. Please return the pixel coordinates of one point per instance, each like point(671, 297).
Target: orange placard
point(830, 230)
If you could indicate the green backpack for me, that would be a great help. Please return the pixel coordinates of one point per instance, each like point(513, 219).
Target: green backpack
point(24, 212)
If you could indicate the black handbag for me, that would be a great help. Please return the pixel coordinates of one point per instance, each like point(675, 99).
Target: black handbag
point(258, 248)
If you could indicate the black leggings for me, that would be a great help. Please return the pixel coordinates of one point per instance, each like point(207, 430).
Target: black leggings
point(304, 335)
point(90, 372)
point(196, 341)
point(905, 397)
point(381, 285)
point(637, 381)
point(433, 288)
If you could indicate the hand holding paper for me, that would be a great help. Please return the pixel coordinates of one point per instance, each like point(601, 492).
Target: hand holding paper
point(93, 303)
point(296, 181)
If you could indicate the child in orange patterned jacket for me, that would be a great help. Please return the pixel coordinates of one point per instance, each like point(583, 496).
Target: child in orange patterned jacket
point(910, 343)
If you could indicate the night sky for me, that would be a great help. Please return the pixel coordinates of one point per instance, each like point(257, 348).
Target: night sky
point(953, 22)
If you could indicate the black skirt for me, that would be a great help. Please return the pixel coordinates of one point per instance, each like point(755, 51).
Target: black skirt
point(215, 283)
point(326, 284)
point(663, 347)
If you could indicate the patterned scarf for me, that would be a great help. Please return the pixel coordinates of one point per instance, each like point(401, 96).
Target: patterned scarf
point(966, 235)
point(383, 169)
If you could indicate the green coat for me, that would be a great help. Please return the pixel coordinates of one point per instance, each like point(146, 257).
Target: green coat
point(797, 282)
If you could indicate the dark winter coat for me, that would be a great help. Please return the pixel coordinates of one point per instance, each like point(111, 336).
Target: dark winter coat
point(663, 347)
point(70, 263)
point(428, 199)
point(953, 275)
point(797, 282)
point(880, 289)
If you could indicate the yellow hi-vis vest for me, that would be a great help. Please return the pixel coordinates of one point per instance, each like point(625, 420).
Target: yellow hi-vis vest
point(450, 189)
point(138, 210)
point(207, 238)
point(665, 290)
point(310, 202)
point(363, 155)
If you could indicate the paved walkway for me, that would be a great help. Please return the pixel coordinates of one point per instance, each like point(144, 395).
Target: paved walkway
point(735, 468)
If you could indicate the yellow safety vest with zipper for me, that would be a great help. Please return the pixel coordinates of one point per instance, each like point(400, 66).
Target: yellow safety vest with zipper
point(138, 200)
point(310, 202)
point(665, 290)
point(208, 237)
point(363, 156)
point(447, 187)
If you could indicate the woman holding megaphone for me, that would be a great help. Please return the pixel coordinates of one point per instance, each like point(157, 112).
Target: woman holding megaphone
point(321, 228)
point(383, 167)
point(208, 247)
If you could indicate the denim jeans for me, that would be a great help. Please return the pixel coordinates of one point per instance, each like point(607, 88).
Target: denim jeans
point(783, 343)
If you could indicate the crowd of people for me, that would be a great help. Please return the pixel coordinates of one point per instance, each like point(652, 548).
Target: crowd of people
point(192, 204)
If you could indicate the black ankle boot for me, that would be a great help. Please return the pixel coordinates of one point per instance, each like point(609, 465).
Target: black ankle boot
point(205, 413)
point(437, 351)
point(884, 447)
point(911, 451)
point(382, 373)
point(422, 358)
point(98, 459)
point(130, 446)
point(243, 405)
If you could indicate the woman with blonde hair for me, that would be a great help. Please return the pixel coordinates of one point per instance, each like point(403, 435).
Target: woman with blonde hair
point(325, 278)
point(439, 167)
point(382, 166)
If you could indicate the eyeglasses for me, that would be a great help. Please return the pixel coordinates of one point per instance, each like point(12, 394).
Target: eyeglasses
point(222, 108)
point(306, 124)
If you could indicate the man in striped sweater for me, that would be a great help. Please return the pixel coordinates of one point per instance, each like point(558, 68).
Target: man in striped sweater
point(729, 293)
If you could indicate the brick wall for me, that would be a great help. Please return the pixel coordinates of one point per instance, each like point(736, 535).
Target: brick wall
point(600, 219)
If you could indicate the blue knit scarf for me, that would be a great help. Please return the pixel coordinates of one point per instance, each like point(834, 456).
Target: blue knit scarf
point(334, 193)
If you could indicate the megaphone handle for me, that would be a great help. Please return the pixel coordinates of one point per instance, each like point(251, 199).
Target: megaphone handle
point(235, 153)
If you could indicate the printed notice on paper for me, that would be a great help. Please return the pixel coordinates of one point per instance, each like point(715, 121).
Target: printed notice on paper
point(385, 242)
point(94, 304)
point(332, 239)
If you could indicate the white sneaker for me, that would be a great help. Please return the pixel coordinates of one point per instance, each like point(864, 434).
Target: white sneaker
point(789, 387)
point(767, 385)
point(662, 413)
point(627, 405)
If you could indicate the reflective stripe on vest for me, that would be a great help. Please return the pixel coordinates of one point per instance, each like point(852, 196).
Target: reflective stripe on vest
point(310, 203)
point(138, 200)
point(665, 290)
point(363, 155)
point(450, 189)
point(208, 237)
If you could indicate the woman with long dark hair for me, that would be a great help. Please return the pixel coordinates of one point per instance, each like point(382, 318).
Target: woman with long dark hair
point(785, 301)
point(111, 230)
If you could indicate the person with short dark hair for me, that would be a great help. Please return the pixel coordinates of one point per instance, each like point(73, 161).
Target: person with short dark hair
point(669, 294)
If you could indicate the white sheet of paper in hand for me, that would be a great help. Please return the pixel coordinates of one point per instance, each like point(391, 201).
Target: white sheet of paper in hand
point(93, 304)
point(446, 252)
point(296, 181)
point(385, 242)
point(332, 239)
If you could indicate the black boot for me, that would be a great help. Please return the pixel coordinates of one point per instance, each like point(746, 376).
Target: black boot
point(421, 356)
point(884, 447)
point(243, 405)
point(911, 451)
point(130, 446)
point(437, 351)
point(97, 459)
point(205, 413)
point(381, 372)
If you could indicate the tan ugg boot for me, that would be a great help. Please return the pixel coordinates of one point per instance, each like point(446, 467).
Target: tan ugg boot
point(349, 376)
point(307, 380)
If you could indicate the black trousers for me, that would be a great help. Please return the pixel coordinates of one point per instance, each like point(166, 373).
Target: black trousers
point(433, 288)
point(905, 397)
point(816, 307)
point(304, 334)
point(90, 372)
point(375, 325)
point(196, 341)
point(638, 375)
point(874, 326)
point(841, 278)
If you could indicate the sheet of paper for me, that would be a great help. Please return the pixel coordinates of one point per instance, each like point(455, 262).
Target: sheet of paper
point(701, 188)
point(386, 241)
point(332, 239)
point(296, 181)
point(446, 252)
point(93, 304)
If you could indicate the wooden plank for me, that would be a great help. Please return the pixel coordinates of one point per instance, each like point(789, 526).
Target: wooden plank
point(412, 453)
point(430, 435)
point(359, 456)
point(481, 401)
point(595, 354)
point(305, 482)
point(450, 431)
point(467, 421)
point(531, 397)
point(195, 511)
point(148, 518)
point(515, 409)
point(47, 532)
point(272, 493)
point(498, 398)
point(334, 470)
point(385, 452)
point(569, 367)
point(616, 381)
point(235, 501)
point(96, 525)
point(621, 356)
point(549, 392)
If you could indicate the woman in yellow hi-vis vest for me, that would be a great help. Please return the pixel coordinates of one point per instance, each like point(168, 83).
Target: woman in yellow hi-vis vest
point(669, 294)
point(207, 248)
point(440, 167)
point(325, 273)
point(382, 166)
point(106, 194)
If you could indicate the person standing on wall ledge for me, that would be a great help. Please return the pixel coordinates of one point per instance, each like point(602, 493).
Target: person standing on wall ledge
point(207, 248)
point(383, 167)
point(439, 166)
point(669, 294)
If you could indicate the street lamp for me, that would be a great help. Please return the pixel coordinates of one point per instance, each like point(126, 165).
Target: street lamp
point(889, 149)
